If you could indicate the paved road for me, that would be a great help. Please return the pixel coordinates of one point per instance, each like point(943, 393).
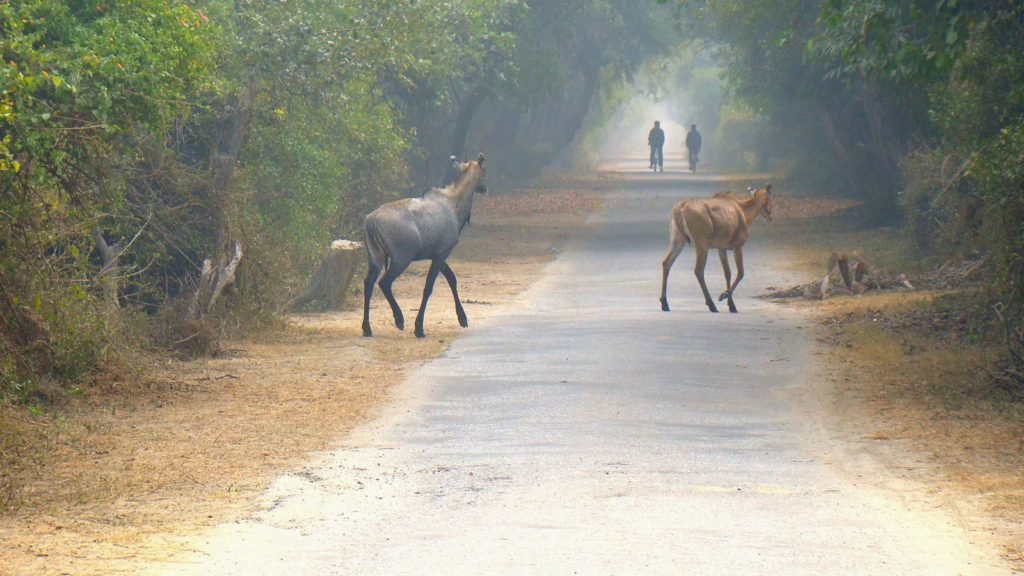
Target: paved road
point(584, 431)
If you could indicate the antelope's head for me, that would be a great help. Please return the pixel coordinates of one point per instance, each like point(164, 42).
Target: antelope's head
point(764, 195)
point(474, 169)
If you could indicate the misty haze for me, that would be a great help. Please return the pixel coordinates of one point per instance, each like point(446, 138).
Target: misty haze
point(511, 287)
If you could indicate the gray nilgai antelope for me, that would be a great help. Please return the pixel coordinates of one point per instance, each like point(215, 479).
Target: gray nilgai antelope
point(427, 228)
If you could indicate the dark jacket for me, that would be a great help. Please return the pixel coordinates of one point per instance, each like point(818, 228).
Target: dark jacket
point(656, 137)
point(693, 140)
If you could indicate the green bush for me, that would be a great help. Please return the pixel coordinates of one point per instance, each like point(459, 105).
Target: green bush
point(739, 131)
point(941, 206)
point(1000, 177)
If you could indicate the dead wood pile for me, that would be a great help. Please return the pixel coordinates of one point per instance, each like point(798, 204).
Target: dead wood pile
point(852, 275)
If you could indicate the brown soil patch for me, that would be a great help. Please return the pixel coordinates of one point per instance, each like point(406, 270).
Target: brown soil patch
point(906, 386)
point(109, 482)
point(909, 390)
point(104, 484)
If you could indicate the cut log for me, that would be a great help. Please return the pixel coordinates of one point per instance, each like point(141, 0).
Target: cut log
point(330, 284)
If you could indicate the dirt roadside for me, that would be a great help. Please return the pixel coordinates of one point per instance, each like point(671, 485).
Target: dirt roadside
point(924, 411)
point(114, 475)
point(902, 387)
point(127, 468)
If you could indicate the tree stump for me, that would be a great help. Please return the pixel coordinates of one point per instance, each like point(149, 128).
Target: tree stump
point(330, 284)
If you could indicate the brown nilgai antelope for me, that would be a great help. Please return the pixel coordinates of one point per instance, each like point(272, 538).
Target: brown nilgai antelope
point(427, 228)
point(721, 222)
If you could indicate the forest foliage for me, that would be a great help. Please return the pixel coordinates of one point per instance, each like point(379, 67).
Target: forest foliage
point(915, 107)
point(140, 138)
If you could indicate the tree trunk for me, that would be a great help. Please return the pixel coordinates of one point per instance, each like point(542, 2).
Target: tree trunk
point(508, 125)
point(109, 273)
point(225, 154)
point(500, 138)
point(465, 119)
point(591, 76)
point(882, 154)
point(223, 159)
point(330, 284)
point(212, 283)
point(838, 147)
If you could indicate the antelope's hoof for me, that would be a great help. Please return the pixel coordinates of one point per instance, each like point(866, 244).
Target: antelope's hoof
point(464, 322)
point(733, 309)
point(725, 296)
point(367, 333)
point(420, 334)
point(712, 307)
point(664, 306)
point(400, 324)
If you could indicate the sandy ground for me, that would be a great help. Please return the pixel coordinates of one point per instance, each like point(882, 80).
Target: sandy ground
point(126, 469)
point(946, 441)
point(898, 389)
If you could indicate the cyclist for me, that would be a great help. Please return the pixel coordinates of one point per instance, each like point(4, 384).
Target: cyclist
point(693, 146)
point(656, 140)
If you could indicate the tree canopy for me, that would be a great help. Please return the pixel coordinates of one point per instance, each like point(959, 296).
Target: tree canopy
point(915, 107)
point(140, 138)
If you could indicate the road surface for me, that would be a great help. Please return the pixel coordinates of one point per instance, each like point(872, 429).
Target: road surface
point(584, 431)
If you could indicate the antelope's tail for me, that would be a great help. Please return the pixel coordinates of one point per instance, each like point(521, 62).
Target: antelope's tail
point(377, 251)
point(678, 231)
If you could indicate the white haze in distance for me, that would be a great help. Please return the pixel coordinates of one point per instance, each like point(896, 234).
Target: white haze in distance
point(626, 136)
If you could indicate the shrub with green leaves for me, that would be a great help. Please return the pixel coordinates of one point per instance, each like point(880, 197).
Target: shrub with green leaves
point(82, 84)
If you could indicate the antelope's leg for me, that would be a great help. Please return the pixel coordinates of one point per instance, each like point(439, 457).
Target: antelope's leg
point(386, 281)
point(666, 267)
point(428, 288)
point(738, 256)
point(676, 242)
point(372, 272)
point(723, 255)
point(449, 276)
point(698, 271)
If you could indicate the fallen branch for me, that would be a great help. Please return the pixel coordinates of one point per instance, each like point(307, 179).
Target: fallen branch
point(212, 283)
point(859, 278)
point(851, 269)
point(109, 253)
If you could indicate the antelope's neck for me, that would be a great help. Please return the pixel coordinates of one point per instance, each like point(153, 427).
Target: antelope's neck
point(464, 208)
point(460, 195)
point(751, 208)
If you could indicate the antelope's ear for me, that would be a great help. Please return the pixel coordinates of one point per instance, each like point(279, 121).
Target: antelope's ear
point(480, 159)
point(454, 160)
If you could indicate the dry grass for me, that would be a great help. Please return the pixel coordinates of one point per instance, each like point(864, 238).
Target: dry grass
point(909, 386)
point(105, 483)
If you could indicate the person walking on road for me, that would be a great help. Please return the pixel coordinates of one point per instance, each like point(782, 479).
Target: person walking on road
point(693, 146)
point(656, 140)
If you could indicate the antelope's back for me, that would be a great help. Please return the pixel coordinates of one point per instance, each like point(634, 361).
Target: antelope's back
point(724, 225)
